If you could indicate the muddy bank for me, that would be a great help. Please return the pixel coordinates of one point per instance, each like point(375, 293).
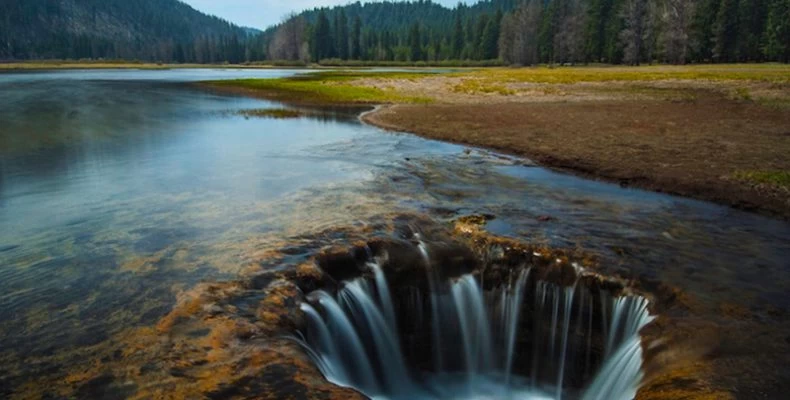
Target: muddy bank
point(705, 149)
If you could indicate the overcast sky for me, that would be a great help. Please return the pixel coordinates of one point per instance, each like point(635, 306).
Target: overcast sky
point(263, 13)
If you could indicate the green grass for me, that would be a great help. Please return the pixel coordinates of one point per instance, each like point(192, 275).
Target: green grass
point(325, 88)
point(773, 178)
point(278, 113)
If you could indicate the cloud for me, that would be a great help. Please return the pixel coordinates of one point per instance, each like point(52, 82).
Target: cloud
point(264, 13)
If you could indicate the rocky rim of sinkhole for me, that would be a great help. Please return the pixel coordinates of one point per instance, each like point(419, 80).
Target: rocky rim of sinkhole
point(376, 314)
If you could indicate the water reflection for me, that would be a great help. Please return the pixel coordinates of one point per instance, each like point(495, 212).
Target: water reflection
point(118, 192)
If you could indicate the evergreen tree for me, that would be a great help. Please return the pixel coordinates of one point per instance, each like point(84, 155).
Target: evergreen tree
point(777, 32)
point(613, 51)
point(547, 30)
point(469, 43)
point(335, 29)
point(752, 16)
point(458, 37)
point(341, 36)
point(356, 39)
point(598, 15)
point(488, 48)
point(322, 38)
point(436, 47)
point(703, 26)
point(415, 43)
point(479, 37)
point(726, 31)
point(365, 48)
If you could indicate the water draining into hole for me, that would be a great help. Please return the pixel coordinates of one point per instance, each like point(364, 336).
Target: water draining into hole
point(460, 338)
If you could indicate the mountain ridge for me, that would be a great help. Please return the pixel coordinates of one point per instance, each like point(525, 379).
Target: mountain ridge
point(155, 30)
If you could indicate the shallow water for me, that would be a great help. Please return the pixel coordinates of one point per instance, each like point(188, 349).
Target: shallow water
point(118, 189)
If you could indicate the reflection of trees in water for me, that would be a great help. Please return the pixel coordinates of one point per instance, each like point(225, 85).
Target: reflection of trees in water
point(50, 125)
point(53, 113)
point(333, 114)
point(343, 114)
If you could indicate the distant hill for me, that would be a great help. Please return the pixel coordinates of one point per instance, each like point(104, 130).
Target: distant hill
point(400, 15)
point(392, 31)
point(251, 31)
point(153, 30)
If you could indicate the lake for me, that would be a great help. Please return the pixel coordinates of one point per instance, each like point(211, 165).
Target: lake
point(119, 189)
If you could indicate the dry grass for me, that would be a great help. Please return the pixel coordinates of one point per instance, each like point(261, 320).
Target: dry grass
point(776, 73)
point(475, 86)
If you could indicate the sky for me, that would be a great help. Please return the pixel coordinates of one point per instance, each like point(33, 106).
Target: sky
point(264, 13)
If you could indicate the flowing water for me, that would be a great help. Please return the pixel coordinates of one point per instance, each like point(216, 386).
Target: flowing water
point(120, 189)
point(356, 342)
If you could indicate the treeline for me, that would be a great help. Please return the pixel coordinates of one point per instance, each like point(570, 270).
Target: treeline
point(392, 32)
point(540, 31)
point(150, 30)
point(639, 31)
point(489, 32)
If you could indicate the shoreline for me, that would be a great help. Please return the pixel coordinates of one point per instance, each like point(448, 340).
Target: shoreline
point(712, 133)
point(722, 196)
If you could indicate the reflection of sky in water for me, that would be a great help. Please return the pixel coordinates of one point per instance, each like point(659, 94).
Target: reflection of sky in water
point(161, 75)
point(116, 194)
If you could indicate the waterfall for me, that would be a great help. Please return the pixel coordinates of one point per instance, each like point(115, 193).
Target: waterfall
point(475, 326)
point(339, 335)
point(511, 312)
point(568, 294)
point(476, 349)
point(621, 372)
point(434, 280)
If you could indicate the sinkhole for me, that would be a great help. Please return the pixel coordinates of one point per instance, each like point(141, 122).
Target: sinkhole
point(418, 321)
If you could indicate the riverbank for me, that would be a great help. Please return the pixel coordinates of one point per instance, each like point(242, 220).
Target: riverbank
point(718, 133)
